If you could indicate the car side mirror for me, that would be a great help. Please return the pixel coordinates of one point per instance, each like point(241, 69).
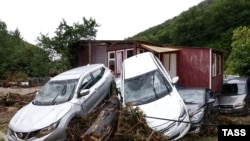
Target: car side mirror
point(84, 92)
point(175, 79)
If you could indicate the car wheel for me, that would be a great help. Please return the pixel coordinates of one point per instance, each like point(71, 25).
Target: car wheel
point(72, 130)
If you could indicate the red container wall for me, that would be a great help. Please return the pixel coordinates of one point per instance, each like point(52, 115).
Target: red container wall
point(193, 67)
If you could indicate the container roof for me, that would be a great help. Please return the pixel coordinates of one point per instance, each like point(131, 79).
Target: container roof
point(159, 49)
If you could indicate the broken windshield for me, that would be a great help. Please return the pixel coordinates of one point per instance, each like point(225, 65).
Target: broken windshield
point(146, 88)
point(55, 92)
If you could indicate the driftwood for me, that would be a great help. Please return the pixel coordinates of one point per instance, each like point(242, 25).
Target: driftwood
point(103, 126)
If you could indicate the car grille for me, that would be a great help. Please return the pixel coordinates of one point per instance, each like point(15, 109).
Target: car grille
point(24, 135)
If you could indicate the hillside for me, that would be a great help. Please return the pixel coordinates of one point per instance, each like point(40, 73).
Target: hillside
point(209, 24)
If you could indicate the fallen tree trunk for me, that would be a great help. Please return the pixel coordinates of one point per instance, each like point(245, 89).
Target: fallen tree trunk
point(103, 126)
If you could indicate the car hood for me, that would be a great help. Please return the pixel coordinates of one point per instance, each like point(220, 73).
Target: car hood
point(32, 117)
point(168, 107)
point(193, 108)
point(231, 100)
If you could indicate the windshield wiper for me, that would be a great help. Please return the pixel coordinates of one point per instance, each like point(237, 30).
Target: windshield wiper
point(62, 93)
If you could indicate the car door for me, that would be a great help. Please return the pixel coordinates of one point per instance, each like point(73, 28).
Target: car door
point(86, 102)
point(102, 84)
point(96, 85)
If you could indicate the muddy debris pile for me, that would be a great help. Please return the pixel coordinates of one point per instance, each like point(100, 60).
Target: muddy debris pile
point(15, 100)
point(111, 122)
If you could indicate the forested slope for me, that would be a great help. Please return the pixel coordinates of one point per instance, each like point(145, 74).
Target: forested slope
point(209, 24)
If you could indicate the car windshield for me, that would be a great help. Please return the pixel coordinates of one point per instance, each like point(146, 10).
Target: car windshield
point(146, 88)
point(193, 96)
point(55, 92)
point(233, 89)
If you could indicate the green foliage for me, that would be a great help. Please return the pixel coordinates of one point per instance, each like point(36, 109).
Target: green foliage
point(16, 76)
point(209, 24)
point(240, 56)
point(19, 57)
point(65, 36)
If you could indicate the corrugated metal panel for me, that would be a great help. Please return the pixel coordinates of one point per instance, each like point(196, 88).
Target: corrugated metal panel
point(159, 49)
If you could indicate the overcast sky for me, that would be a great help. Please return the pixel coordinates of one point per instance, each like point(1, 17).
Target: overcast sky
point(118, 19)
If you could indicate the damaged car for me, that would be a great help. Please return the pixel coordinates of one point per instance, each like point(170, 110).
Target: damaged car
point(146, 84)
point(199, 102)
point(234, 96)
point(75, 92)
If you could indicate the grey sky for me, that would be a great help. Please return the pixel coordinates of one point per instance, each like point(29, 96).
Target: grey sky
point(118, 19)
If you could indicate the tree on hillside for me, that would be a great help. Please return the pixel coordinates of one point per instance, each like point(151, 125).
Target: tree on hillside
point(240, 55)
point(65, 36)
point(19, 57)
point(3, 33)
point(209, 24)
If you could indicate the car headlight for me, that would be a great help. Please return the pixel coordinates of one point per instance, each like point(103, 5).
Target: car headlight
point(240, 104)
point(47, 129)
point(197, 116)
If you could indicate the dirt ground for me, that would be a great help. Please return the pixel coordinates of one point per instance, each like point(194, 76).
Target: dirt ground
point(19, 90)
